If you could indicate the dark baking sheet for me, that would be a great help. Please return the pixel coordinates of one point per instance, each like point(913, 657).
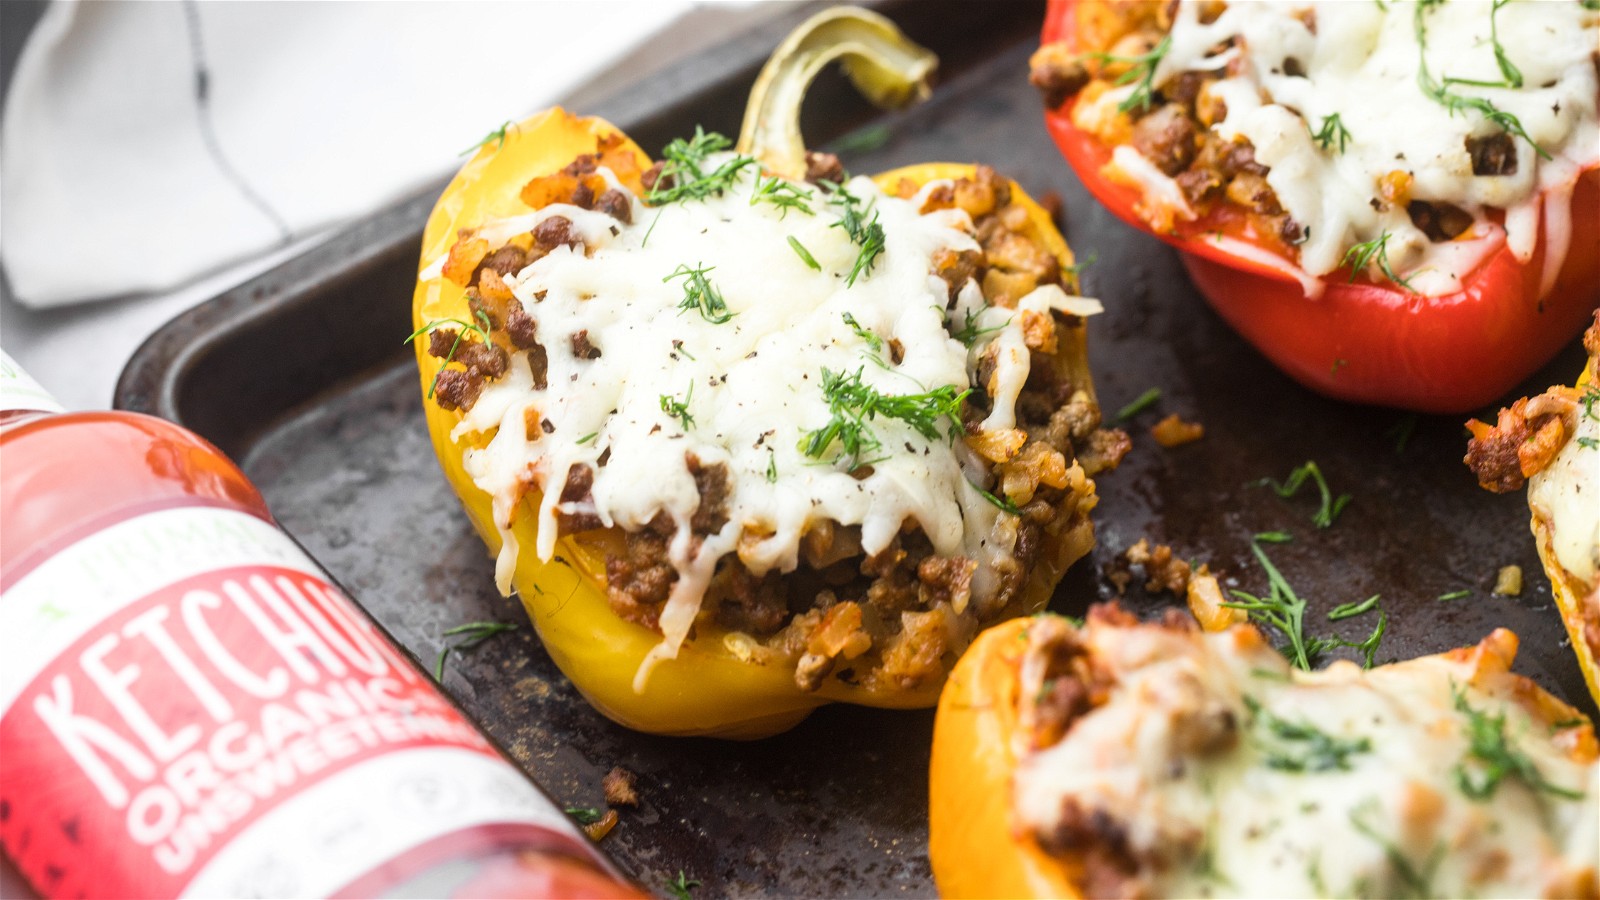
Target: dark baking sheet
point(301, 376)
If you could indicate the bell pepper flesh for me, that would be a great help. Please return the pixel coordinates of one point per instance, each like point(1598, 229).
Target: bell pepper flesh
point(1362, 341)
point(972, 847)
point(1566, 592)
point(707, 689)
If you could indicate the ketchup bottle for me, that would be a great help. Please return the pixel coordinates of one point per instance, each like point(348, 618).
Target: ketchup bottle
point(190, 706)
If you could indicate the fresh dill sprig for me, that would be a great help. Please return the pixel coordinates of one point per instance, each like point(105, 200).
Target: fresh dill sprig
point(1414, 882)
point(1332, 132)
point(1439, 91)
point(1401, 432)
point(1000, 503)
point(1494, 757)
point(1142, 68)
point(1301, 746)
point(1282, 609)
point(679, 409)
point(472, 634)
point(1362, 255)
point(1510, 75)
point(482, 330)
point(854, 404)
point(584, 815)
point(1350, 610)
point(1590, 398)
point(1140, 403)
point(700, 294)
point(683, 176)
point(862, 140)
point(681, 886)
point(1331, 506)
point(498, 136)
point(804, 254)
point(868, 235)
point(873, 341)
point(969, 333)
point(785, 195)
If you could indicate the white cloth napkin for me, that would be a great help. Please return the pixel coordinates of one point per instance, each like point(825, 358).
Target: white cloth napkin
point(146, 144)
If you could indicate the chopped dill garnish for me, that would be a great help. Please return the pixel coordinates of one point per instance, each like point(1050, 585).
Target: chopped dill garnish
point(804, 254)
point(1349, 610)
point(472, 634)
point(873, 341)
point(1000, 503)
point(1301, 746)
point(677, 347)
point(1282, 609)
point(680, 887)
point(700, 294)
point(969, 333)
point(1140, 403)
point(868, 235)
point(854, 404)
point(1362, 255)
point(1494, 757)
point(1453, 595)
point(1510, 75)
point(1331, 506)
point(683, 176)
point(588, 437)
point(1142, 68)
point(1412, 882)
point(1332, 132)
point(1588, 443)
point(498, 136)
point(863, 140)
point(1589, 399)
point(1272, 537)
point(1401, 432)
point(679, 409)
point(772, 466)
point(482, 330)
point(785, 195)
point(584, 815)
point(1439, 91)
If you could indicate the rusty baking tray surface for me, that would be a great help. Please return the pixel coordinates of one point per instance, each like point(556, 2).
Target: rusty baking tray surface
point(301, 376)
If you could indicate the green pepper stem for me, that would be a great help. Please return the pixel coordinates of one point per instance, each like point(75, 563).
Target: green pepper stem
point(887, 67)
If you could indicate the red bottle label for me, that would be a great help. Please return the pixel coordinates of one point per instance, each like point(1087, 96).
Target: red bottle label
point(188, 707)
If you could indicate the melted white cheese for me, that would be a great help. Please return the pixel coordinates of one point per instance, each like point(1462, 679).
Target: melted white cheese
point(1226, 823)
point(1362, 64)
point(1567, 495)
point(752, 385)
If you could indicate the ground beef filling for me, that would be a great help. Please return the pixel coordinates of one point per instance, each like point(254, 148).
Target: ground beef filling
point(1174, 131)
point(898, 617)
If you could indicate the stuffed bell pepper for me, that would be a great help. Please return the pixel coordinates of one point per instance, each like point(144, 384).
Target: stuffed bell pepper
point(749, 436)
point(1396, 202)
point(1551, 443)
point(1128, 759)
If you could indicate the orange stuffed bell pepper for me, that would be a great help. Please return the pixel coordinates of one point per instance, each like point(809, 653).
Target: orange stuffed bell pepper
point(1551, 443)
point(1120, 759)
point(1395, 203)
point(747, 436)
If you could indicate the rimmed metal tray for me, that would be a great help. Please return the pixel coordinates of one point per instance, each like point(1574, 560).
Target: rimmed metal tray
point(301, 376)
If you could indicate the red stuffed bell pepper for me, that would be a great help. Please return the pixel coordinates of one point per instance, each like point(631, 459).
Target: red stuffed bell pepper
point(1396, 203)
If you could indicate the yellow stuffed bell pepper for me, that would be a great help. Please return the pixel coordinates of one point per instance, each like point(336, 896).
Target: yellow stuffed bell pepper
point(731, 589)
point(1121, 758)
point(1551, 443)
